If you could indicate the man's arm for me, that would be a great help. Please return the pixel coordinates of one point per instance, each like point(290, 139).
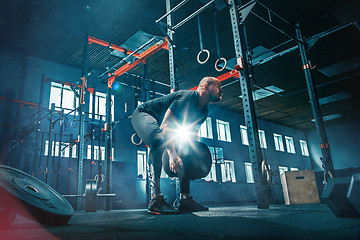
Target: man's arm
point(174, 160)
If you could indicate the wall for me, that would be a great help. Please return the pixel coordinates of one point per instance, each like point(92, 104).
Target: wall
point(124, 169)
point(344, 146)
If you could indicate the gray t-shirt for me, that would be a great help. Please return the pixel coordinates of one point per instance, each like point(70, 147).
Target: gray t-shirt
point(183, 104)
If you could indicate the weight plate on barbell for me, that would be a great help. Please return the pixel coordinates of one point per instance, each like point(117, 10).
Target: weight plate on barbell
point(91, 196)
point(44, 203)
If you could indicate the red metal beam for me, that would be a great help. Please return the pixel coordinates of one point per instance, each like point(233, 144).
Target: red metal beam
point(141, 58)
point(232, 73)
point(112, 46)
point(19, 101)
point(90, 90)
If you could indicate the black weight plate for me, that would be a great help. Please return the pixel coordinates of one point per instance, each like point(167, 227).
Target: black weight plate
point(44, 203)
point(91, 196)
point(196, 160)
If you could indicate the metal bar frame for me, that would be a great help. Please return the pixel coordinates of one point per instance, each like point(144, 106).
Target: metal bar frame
point(172, 55)
point(108, 148)
point(50, 147)
point(142, 57)
point(240, 44)
point(314, 100)
point(111, 46)
point(126, 58)
point(82, 123)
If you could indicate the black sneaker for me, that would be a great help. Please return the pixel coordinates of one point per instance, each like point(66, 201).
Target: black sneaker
point(160, 206)
point(189, 205)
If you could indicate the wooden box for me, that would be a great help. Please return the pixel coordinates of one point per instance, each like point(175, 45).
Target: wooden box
point(299, 187)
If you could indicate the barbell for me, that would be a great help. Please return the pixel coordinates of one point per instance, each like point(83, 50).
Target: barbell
point(91, 195)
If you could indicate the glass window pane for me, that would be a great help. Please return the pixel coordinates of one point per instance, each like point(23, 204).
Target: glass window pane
point(244, 136)
point(262, 139)
point(249, 173)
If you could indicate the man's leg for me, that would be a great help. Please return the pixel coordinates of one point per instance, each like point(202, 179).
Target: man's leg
point(186, 203)
point(149, 131)
point(155, 165)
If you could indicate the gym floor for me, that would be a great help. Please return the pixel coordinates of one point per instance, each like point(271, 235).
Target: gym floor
point(315, 221)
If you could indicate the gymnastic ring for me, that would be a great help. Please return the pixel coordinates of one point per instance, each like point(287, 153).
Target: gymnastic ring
point(73, 124)
point(207, 58)
point(216, 64)
point(330, 175)
point(132, 140)
point(266, 171)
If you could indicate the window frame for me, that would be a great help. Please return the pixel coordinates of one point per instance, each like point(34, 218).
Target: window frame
point(228, 171)
point(249, 173)
point(244, 136)
point(290, 148)
point(279, 145)
point(55, 97)
point(304, 150)
point(223, 130)
point(205, 129)
point(102, 103)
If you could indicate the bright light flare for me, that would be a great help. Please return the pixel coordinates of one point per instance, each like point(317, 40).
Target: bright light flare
point(183, 133)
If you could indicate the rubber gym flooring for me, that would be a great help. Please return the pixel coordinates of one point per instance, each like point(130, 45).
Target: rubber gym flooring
point(315, 221)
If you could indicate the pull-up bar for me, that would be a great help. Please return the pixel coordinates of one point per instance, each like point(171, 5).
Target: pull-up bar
point(187, 18)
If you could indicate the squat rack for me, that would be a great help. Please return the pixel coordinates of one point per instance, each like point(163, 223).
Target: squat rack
point(238, 15)
point(112, 73)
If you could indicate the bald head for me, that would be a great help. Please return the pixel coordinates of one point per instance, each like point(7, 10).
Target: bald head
point(210, 90)
point(207, 81)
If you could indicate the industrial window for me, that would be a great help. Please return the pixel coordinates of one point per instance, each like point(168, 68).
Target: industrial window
point(244, 136)
point(228, 171)
point(282, 169)
point(211, 177)
point(262, 139)
point(249, 173)
point(245, 140)
point(294, 169)
point(100, 106)
point(304, 148)
point(290, 144)
point(64, 150)
point(65, 101)
point(141, 164)
point(217, 154)
point(97, 152)
point(279, 145)
point(223, 130)
point(206, 129)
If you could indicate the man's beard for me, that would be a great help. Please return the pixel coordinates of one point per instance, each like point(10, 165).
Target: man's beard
point(215, 99)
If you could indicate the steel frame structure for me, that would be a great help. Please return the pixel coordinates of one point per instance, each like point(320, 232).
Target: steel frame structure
point(240, 43)
point(111, 75)
point(241, 72)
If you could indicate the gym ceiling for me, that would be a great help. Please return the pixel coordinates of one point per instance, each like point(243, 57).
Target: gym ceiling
point(54, 30)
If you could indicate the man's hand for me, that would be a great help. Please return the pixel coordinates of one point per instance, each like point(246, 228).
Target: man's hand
point(175, 162)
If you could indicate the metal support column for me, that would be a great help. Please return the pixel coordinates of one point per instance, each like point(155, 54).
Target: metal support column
point(240, 43)
point(172, 56)
point(108, 148)
point(92, 141)
point(50, 146)
point(37, 152)
point(147, 81)
point(80, 189)
point(319, 123)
